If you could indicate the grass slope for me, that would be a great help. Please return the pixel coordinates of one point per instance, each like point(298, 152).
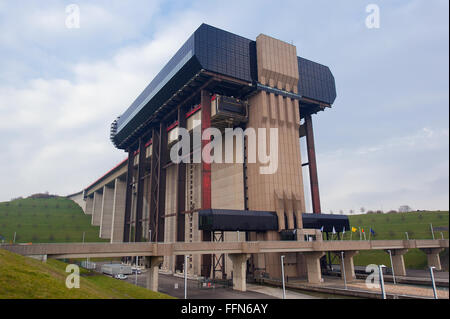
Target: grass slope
point(393, 226)
point(48, 220)
point(25, 278)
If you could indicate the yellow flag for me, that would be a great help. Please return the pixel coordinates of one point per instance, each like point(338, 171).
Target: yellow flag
point(354, 229)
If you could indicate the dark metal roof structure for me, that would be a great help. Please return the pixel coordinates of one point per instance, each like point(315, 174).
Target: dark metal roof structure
point(221, 61)
point(249, 220)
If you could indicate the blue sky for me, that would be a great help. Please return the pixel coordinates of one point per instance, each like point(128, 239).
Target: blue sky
point(384, 144)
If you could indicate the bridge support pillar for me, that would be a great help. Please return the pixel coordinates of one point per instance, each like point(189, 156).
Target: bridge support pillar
point(239, 271)
point(89, 205)
point(313, 266)
point(107, 211)
point(398, 262)
point(97, 209)
point(348, 266)
point(42, 258)
point(433, 257)
point(118, 214)
point(152, 264)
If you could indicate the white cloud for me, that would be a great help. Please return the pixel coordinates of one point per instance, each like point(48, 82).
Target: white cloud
point(68, 120)
point(404, 169)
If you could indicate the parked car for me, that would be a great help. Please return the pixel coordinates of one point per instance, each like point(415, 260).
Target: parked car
point(136, 270)
point(121, 276)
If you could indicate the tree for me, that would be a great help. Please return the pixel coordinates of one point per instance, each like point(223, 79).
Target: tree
point(362, 209)
point(404, 209)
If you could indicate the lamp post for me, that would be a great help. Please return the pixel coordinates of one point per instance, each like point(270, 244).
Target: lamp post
point(185, 276)
point(433, 282)
point(432, 232)
point(383, 290)
point(392, 265)
point(343, 270)
point(282, 275)
point(407, 237)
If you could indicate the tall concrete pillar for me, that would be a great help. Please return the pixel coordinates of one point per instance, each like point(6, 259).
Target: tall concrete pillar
point(89, 205)
point(398, 262)
point(348, 266)
point(97, 209)
point(312, 260)
point(433, 257)
point(107, 210)
point(152, 263)
point(239, 271)
point(118, 212)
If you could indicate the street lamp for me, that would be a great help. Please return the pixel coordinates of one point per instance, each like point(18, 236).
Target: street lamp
point(343, 269)
point(380, 270)
point(392, 265)
point(185, 276)
point(407, 237)
point(282, 275)
point(433, 282)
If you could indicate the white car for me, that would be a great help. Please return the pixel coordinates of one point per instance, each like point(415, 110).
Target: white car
point(120, 276)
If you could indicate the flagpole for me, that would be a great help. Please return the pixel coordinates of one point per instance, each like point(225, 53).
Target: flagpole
point(370, 232)
point(360, 234)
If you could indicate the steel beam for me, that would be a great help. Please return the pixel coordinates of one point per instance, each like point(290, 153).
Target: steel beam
point(162, 182)
point(181, 193)
point(314, 181)
point(140, 191)
point(129, 194)
point(154, 183)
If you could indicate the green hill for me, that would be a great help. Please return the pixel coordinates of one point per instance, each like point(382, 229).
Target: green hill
point(393, 226)
point(46, 220)
point(26, 278)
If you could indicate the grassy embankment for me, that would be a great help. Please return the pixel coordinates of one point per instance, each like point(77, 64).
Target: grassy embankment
point(26, 278)
point(393, 226)
point(58, 220)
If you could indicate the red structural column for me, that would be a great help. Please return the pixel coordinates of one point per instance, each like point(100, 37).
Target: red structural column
point(314, 181)
point(206, 167)
point(206, 176)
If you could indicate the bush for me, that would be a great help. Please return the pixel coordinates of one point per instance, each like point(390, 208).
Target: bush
point(392, 212)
